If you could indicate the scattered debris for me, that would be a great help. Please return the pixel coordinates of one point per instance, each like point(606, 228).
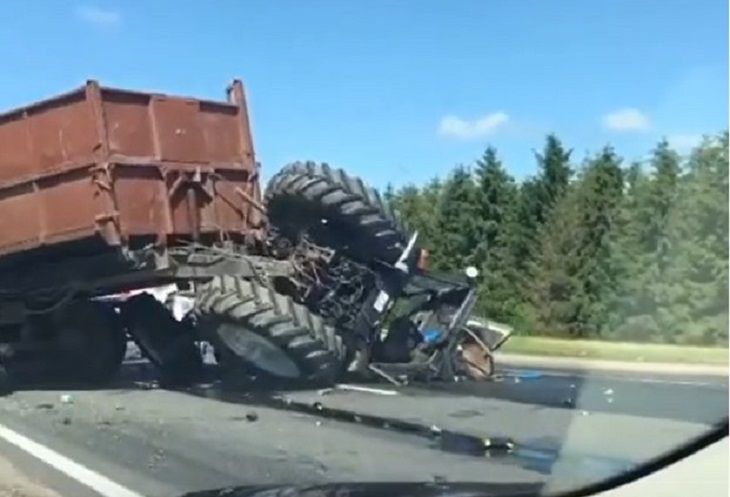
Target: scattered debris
point(119, 408)
point(528, 375)
point(251, 416)
point(318, 423)
point(66, 399)
point(608, 391)
point(609, 400)
point(44, 405)
point(359, 388)
point(584, 413)
point(147, 385)
point(66, 421)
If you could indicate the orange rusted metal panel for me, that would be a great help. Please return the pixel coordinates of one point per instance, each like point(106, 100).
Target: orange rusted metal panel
point(121, 166)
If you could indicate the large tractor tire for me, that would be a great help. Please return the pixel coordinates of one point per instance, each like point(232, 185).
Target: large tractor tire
point(336, 210)
point(91, 342)
point(269, 333)
point(167, 343)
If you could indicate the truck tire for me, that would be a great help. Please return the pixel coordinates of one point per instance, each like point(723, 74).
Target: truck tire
point(168, 344)
point(92, 342)
point(305, 196)
point(268, 332)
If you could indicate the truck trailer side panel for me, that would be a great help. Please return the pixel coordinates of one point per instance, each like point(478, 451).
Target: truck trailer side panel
point(125, 168)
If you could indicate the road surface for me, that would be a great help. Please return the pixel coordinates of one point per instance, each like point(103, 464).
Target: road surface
point(565, 427)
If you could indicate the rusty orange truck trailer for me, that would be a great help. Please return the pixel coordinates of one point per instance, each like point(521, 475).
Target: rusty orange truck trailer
point(103, 191)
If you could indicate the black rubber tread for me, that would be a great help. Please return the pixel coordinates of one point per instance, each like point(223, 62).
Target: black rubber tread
point(304, 338)
point(104, 341)
point(306, 192)
point(167, 343)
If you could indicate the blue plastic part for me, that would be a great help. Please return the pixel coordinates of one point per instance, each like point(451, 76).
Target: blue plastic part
point(431, 336)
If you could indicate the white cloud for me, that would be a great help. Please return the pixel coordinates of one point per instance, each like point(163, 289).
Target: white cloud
point(99, 17)
point(684, 142)
point(456, 127)
point(626, 119)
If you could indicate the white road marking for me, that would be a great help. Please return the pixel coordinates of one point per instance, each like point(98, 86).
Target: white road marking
point(87, 477)
point(358, 388)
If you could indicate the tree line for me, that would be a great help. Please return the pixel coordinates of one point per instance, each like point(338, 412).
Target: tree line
point(601, 249)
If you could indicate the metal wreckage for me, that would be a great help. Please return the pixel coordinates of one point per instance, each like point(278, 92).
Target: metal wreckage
point(118, 207)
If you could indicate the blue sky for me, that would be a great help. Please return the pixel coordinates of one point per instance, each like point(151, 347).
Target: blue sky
point(397, 91)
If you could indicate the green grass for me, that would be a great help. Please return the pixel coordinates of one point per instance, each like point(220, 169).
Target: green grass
point(619, 351)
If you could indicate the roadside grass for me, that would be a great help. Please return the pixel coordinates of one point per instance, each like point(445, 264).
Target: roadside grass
point(617, 351)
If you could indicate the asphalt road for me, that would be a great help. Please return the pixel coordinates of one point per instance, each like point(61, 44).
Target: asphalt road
point(566, 428)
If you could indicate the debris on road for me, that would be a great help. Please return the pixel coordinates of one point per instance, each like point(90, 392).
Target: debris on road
point(364, 389)
point(66, 421)
point(66, 399)
point(44, 405)
point(252, 416)
point(609, 395)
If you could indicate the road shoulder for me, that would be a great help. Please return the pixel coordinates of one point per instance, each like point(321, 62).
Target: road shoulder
point(587, 365)
point(17, 483)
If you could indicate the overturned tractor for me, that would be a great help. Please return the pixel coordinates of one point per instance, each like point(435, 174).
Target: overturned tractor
point(313, 281)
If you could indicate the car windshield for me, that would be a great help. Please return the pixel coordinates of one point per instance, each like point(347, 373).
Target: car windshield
point(247, 245)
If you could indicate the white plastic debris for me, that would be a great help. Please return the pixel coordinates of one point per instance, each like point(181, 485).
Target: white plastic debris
point(608, 391)
point(66, 399)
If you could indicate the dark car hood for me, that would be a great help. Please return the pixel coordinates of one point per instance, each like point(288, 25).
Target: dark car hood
point(378, 490)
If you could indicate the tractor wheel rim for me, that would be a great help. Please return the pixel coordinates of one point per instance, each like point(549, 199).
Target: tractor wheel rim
point(258, 351)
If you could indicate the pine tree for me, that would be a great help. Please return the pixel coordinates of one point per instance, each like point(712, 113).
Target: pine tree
point(535, 200)
point(698, 274)
point(554, 176)
point(495, 194)
point(554, 289)
point(457, 223)
point(417, 208)
point(573, 269)
point(641, 310)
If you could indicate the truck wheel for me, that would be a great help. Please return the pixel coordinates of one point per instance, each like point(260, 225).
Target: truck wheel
point(167, 343)
point(91, 341)
point(268, 332)
point(336, 209)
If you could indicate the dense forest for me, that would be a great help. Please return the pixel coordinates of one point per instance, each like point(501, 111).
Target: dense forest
point(600, 249)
